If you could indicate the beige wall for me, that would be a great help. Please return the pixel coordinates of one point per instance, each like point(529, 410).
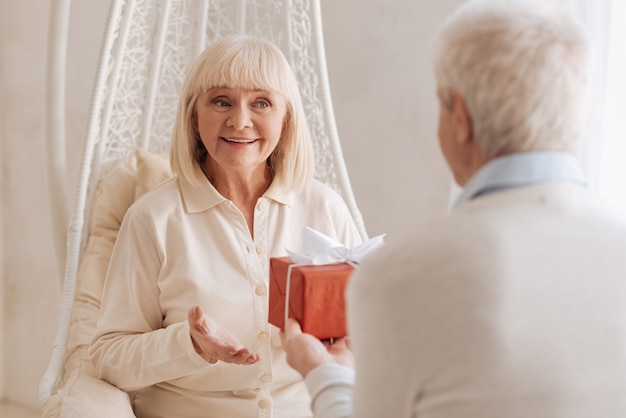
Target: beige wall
point(30, 296)
point(2, 200)
point(31, 299)
point(383, 93)
point(384, 98)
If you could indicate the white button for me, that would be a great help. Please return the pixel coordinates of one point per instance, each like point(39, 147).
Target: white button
point(262, 336)
point(261, 205)
point(264, 403)
point(266, 378)
point(260, 250)
point(260, 291)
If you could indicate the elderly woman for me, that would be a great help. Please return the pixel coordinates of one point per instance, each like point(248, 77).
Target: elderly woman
point(183, 325)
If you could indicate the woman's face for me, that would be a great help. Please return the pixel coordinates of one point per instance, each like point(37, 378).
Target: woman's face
point(239, 127)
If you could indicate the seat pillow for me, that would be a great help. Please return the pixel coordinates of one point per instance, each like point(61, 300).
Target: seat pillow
point(112, 198)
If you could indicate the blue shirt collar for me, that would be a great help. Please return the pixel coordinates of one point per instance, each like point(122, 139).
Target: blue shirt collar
point(522, 169)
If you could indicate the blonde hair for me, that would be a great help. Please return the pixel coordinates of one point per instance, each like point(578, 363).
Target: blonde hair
point(522, 71)
point(241, 61)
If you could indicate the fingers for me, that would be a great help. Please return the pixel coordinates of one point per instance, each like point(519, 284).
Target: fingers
point(341, 352)
point(340, 343)
point(244, 356)
point(195, 317)
point(292, 328)
point(212, 341)
point(195, 313)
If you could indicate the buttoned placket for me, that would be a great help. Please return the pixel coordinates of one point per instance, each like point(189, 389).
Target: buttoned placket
point(257, 265)
point(260, 306)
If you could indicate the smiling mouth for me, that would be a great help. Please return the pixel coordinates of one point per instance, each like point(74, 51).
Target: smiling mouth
point(238, 140)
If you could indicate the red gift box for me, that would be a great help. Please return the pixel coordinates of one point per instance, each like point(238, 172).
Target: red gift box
point(316, 296)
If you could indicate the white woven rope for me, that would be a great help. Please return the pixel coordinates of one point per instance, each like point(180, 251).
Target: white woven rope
point(154, 71)
point(53, 374)
point(148, 48)
point(201, 32)
point(55, 124)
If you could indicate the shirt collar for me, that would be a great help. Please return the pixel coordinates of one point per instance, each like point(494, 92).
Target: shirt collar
point(522, 169)
point(204, 196)
point(279, 192)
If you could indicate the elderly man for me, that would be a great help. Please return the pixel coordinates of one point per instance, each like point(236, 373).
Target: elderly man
point(513, 305)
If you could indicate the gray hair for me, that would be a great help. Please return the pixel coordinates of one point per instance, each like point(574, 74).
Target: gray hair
point(521, 69)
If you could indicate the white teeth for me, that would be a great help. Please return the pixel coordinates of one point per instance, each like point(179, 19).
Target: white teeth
point(239, 141)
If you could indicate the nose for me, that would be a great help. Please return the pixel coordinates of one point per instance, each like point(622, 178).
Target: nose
point(240, 118)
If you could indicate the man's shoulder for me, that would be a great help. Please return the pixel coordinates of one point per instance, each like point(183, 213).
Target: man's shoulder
point(491, 229)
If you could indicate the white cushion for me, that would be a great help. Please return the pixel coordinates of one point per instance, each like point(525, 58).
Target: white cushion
point(85, 396)
point(114, 195)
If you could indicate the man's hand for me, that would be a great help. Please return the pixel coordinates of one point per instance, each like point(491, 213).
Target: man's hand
point(305, 352)
point(215, 343)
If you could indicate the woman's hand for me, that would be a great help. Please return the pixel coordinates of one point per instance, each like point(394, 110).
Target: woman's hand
point(305, 352)
point(215, 343)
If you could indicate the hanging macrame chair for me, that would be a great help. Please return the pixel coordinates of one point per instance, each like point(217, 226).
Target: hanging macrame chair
point(148, 47)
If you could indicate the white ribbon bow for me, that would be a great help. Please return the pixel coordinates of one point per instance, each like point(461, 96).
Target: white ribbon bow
point(326, 250)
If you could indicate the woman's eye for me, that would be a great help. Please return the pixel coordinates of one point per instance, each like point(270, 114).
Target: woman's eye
point(262, 104)
point(221, 103)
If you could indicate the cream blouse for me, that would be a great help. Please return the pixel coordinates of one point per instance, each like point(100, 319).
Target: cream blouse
point(183, 245)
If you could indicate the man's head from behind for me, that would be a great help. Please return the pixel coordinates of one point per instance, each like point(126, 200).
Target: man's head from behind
point(519, 71)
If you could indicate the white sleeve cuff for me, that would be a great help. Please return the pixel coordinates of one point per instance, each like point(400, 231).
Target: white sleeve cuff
point(331, 387)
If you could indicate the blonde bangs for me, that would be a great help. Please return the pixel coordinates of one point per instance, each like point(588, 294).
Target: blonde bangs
point(245, 64)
